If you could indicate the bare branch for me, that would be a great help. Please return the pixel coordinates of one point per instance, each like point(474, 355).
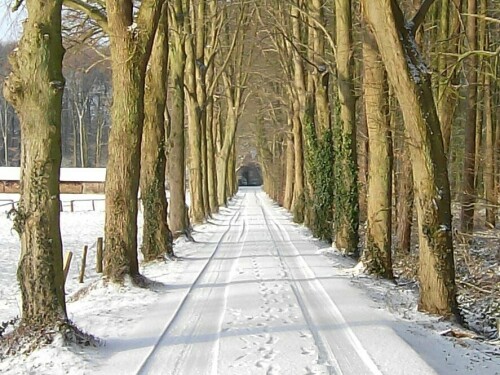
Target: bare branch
point(90, 10)
point(323, 28)
point(148, 18)
point(490, 19)
point(419, 17)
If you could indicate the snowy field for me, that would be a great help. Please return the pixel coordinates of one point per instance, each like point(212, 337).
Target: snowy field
point(254, 294)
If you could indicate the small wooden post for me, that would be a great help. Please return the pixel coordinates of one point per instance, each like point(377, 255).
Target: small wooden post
point(84, 261)
point(93, 205)
point(71, 205)
point(98, 264)
point(67, 262)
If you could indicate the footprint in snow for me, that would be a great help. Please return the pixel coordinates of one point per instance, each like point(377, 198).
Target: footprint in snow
point(272, 340)
point(305, 335)
point(307, 351)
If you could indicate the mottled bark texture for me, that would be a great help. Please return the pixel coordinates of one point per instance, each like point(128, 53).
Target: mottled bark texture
point(377, 254)
point(157, 239)
point(34, 88)
point(131, 40)
point(411, 81)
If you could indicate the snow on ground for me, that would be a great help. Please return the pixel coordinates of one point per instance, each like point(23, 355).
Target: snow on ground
point(255, 294)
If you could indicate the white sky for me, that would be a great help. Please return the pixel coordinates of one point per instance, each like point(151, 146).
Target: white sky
point(10, 23)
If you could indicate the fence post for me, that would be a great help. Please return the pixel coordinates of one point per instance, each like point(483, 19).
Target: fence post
point(67, 262)
point(84, 261)
point(98, 265)
point(71, 205)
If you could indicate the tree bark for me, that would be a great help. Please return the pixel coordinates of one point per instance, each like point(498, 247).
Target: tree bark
point(468, 182)
point(377, 254)
point(157, 239)
point(201, 94)
point(410, 79)
point(448, 81)
point(490, 156)
point(289, 168)
point(130, 44)
point(298, 106)
point(405, 198)
point(178, 217)
point(347, 213)
point(197, 208)
point(35, 88)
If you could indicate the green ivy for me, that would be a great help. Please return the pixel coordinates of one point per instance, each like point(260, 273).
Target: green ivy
point(346, 205)
point(319, 155)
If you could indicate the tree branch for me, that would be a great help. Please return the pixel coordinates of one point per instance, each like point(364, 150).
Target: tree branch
point(399, 17)
point(148, 18)
point(419, 17)
point(490, 19)
point(90, 10)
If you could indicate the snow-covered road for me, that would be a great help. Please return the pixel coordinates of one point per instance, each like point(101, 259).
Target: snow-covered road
point(264, 300)
point(254, 294)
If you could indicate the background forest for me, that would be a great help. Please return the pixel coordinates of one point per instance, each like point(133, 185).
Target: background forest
point(382, 140)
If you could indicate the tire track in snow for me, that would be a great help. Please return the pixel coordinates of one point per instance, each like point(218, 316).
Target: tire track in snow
point(151, 361)
point(310, 293)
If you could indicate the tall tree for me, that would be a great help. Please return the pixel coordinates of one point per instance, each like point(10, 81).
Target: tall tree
point(448, 45)
point(234, 75)
point(346, 220)
point(298, 98)
point(377, 253)
point(35, 88)
point(156, 242)
point(179, 221)
point(410, 78)
point(469, 167)
point(131, 40)
point(131, 34)
point(195, 163)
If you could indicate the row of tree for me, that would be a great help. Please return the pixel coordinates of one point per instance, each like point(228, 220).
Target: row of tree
point(379, 99)
point(345, 91)
point(197, 52)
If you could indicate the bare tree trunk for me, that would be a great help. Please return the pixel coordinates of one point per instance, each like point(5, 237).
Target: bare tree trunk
point(82, 135)
point(468, 186)
point(289, 169)
point(178, 217)
point(448, 81)
point(75, 144)
point(490, 156)
point(5, 132)
point(197, 208)
point(377, 254)
point(35, 88)
point(201, 94)
point(347, 203)
point(130, 44)
point(157, 239)
point(223, 157)
point(298, 106)
point(404, 203)
point(298, 202)
point(98, 141)
point(409, 77)
point(211, 161)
